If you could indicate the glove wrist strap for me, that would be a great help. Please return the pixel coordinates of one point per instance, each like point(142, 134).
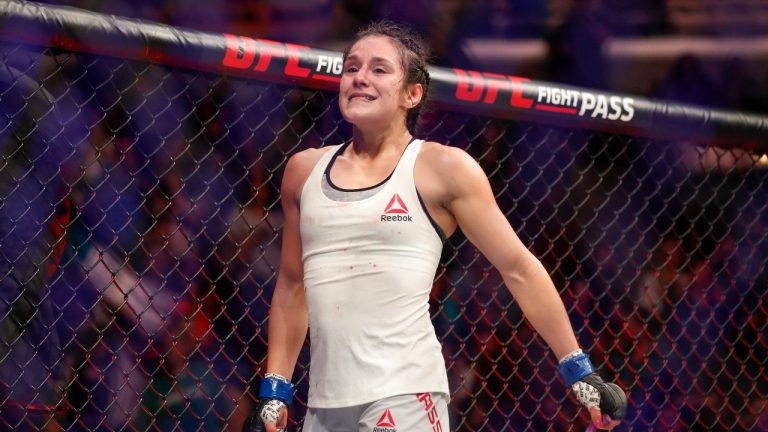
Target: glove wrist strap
point(575, 367)
point(277, 387)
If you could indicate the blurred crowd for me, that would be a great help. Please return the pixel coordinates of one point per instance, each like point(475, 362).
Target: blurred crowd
point(161, 294)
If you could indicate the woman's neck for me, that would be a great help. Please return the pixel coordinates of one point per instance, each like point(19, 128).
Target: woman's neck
point(370, 144)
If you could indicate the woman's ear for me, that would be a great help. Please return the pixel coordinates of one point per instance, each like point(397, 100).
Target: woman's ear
point(413, 95)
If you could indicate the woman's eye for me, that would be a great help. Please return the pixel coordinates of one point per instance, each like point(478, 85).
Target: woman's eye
point(351, 69)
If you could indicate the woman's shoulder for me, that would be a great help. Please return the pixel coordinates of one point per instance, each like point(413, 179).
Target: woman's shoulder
point(448, 170)
point(443, 157)
point(305, 160)
point(300, 165)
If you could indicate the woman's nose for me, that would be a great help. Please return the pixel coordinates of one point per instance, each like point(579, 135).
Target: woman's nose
point(361, 77)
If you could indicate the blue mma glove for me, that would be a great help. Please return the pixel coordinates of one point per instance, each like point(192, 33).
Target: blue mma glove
point(590, 390)
point(275, 394)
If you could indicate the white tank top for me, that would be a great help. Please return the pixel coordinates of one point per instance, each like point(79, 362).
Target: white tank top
point(369, 265)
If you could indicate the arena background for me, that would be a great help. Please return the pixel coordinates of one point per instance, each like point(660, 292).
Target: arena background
point(140, 218)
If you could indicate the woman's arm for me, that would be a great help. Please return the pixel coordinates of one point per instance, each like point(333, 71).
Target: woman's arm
point(470, 200)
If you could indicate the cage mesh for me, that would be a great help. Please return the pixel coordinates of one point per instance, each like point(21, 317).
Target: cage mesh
point(141, 234)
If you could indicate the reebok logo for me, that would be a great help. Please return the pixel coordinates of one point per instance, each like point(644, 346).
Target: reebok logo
point(396, 211)
point(396, 206)
point(386, 423)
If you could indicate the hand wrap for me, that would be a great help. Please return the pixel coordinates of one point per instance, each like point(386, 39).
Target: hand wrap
point(590, 390)
point(275, 394)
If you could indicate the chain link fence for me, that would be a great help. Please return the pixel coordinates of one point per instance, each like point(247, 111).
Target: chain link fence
point(140, 237)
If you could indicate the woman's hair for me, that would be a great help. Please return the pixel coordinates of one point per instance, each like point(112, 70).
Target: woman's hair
point(414, 55)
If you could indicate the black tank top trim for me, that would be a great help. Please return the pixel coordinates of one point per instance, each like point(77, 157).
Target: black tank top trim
point(341, 149)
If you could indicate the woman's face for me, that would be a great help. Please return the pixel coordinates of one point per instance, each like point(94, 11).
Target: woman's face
point(372, 90)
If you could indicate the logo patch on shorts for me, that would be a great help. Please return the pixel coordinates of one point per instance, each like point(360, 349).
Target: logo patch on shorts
point(431, 410)
point(396, 211)
point(386, 423)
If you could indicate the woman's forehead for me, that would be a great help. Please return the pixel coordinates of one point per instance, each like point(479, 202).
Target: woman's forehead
point(378, 45)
